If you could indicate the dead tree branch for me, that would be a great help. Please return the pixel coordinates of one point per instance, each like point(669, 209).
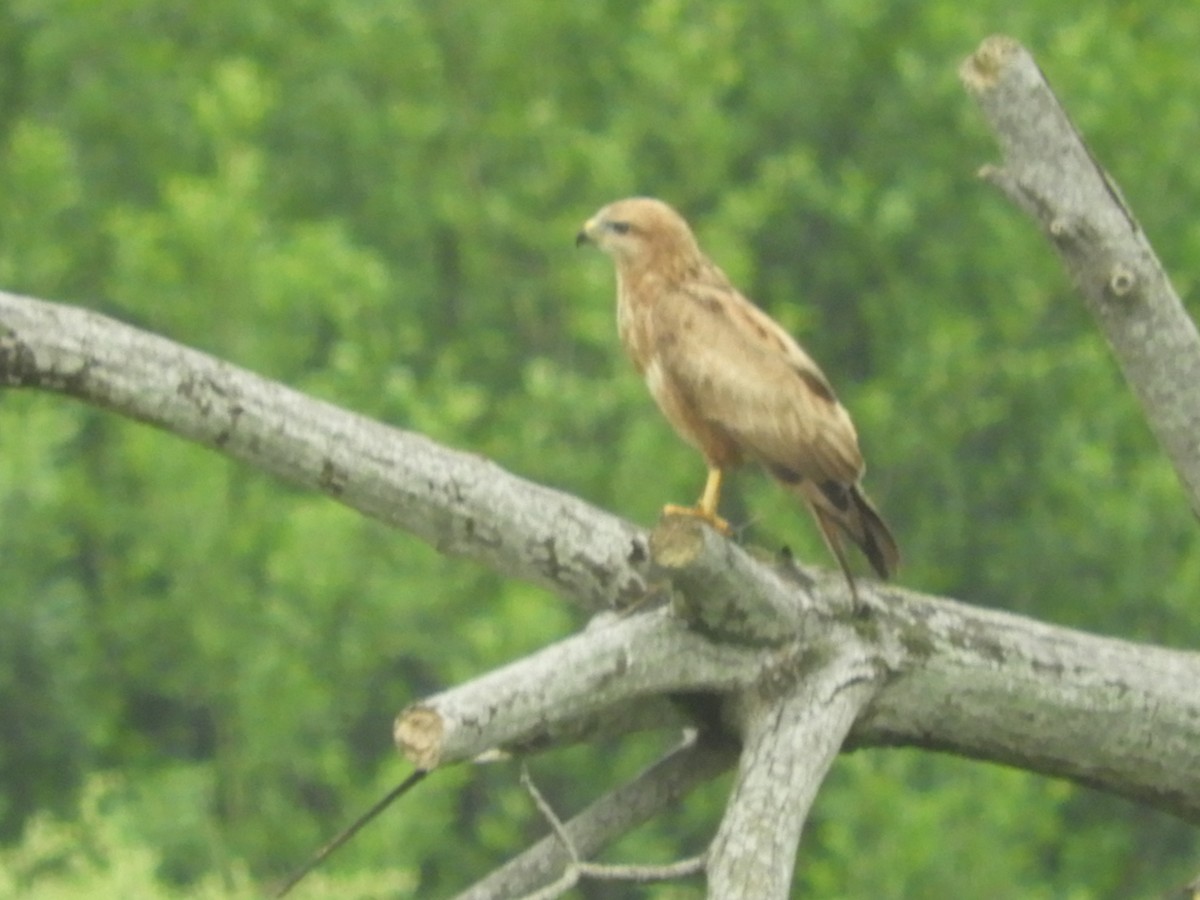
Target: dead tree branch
point(788, 673)
point(461, 503)
point(1049, 173)
point(792, 733)
point(579, 868)
point(657, 789)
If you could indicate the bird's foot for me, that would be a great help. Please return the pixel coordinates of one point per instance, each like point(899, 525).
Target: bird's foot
point(699, 512)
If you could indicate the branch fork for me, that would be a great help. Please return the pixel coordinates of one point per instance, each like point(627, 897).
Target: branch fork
point(767, 663)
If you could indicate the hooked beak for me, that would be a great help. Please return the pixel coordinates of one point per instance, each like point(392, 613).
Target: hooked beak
point(585, 233)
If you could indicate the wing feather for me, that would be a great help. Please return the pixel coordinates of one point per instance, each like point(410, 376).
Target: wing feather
point(743, 374)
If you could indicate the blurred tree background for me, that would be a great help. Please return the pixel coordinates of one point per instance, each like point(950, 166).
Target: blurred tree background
point(375, 203)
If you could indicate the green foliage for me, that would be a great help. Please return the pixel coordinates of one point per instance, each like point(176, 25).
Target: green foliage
point(375, 203)
point(118, 844)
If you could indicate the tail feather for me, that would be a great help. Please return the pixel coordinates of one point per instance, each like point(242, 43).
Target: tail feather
point(832, 532)
point(871, 534)
point(840, 510)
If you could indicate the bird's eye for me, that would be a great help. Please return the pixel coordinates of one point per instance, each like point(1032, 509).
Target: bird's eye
point(619, 227)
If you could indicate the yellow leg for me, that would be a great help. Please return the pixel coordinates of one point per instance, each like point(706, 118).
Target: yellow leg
point(712, 494)
point(706, 509)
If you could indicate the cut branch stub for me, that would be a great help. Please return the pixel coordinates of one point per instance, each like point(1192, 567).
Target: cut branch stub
point(418, 735)
point(724, 592)
point(630, 661)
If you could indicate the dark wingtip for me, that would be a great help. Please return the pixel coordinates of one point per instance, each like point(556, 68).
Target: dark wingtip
point(877, 544)
point(881, 562)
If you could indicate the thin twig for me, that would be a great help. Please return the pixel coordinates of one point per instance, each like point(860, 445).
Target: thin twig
point(557, 888)
point(645, 873)
point(355, 826)
point(577, 869)
point(545, 809)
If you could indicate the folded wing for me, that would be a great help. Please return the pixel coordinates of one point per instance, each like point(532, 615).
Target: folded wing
point(740, 372)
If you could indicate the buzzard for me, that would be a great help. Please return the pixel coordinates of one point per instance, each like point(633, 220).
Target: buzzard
point(731, 381)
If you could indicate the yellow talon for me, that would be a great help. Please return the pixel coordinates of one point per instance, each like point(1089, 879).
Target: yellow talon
point(697, 513)
point(706, 509)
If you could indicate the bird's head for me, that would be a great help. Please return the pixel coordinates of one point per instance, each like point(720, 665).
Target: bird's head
point(639, 231)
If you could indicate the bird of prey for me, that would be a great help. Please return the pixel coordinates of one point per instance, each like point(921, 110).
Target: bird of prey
point(731, 381)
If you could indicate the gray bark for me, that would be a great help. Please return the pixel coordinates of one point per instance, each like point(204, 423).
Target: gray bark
point(461, 503)
point(790, 738)
point(1115, 715)
point(1049, 173)
point(780, 663)
point(654, 791)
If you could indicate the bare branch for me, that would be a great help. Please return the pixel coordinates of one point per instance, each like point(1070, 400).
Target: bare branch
point(578, 868)
point(791, 737)
point(1112, 714)
point(658, 788)
point(461, 503)
point(571, 876)
point(1050, 174)
point(716, 593)
point(548, 814)
point(557, 888)
point(604, 871)
point(347, 833)
point(666, 872)
point(644, 655)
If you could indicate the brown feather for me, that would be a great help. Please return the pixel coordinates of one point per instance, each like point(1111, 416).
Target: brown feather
point(729, 379)
point(855, 516)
